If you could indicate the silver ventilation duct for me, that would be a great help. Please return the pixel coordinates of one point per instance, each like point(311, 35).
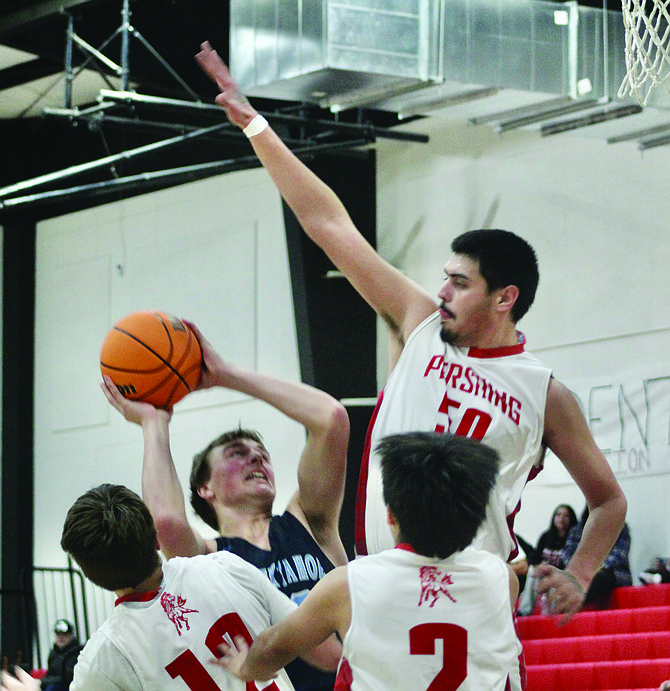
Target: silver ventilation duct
point(510, 63)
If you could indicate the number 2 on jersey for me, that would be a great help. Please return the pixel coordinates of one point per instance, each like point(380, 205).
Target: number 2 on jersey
point(454, 652)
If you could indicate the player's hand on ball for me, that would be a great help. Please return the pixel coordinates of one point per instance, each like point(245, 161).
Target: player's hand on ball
point(562, 591)
point(133, 411)
point(215, 370)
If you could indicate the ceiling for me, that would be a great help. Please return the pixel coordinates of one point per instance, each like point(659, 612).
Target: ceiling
point(83, 157)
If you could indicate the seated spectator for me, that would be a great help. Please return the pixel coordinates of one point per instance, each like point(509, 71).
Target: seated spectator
point(62, 658)
point(615, 571)
point(658, 573)
point(548, 550)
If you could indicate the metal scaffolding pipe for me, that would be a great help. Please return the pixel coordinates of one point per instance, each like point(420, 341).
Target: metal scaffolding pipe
point(380, 132)
point(172, 176)
point(107, 160)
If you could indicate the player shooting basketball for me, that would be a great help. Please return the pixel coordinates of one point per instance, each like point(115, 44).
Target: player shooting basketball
point(233, 488)
point(458, 363)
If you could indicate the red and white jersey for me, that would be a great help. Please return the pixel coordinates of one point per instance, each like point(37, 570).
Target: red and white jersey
point(166, 639)
point(497, 395)
point(419, 623)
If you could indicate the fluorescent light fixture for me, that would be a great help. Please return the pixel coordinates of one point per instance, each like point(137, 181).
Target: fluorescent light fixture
point(521, 111)
point(372, 94)
point(592, 119)
point(571, 107)
point(420, 106)
point(653, 143)
point(640, 134)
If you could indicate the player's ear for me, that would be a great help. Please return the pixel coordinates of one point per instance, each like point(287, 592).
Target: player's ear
point(390, 518)
point(507, 296)
point(205, 492)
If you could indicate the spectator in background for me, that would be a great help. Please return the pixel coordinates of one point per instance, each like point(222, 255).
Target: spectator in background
point(615, 571)
point(549, 550)
point(62, 658)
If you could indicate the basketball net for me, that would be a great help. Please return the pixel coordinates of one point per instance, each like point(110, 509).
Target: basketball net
point(647, 50)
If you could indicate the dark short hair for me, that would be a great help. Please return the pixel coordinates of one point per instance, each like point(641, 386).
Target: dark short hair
point(201, 471)
point(437, 486)
point(504, 259)
point(110, 533)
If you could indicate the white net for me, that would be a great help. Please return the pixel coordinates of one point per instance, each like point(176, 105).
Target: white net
point(647, 26)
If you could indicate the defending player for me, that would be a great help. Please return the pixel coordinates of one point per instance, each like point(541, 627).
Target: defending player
point(169, 618)
point(393, 608)
point(233, 488)
point(460, 367)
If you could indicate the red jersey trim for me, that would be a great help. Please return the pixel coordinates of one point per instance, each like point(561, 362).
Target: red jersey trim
point(406, 546)
point(345, 676)
point(137, 597)
point(360, 542)
point(502, 351)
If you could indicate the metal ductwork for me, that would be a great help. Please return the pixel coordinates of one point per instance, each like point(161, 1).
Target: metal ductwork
point(511, 63)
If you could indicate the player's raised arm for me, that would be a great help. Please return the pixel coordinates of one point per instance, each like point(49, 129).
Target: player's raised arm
point(400, 301)
point(161, 489)
point(322, 468)
point(568, 436)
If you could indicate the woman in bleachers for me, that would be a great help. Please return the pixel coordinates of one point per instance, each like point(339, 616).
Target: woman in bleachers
point(549, 550)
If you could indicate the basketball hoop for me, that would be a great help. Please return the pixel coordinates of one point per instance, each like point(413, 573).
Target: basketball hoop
point(647, 49)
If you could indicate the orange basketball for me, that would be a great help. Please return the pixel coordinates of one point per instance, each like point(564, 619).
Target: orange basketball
point(152, 357)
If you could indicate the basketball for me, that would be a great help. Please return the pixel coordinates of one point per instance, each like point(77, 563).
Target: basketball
point(152, 357)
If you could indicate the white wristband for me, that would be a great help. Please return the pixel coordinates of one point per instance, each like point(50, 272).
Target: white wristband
point(256, 126)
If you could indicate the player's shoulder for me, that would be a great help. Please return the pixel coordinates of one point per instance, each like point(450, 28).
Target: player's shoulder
point(101, 660)
point(487, 566)
point(220, 560)
point(221, 566)
point(427, 321)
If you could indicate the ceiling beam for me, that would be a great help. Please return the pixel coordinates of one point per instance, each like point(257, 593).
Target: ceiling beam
point(37, 12)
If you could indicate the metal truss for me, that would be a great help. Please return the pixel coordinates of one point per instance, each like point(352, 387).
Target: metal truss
point(122, 108)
